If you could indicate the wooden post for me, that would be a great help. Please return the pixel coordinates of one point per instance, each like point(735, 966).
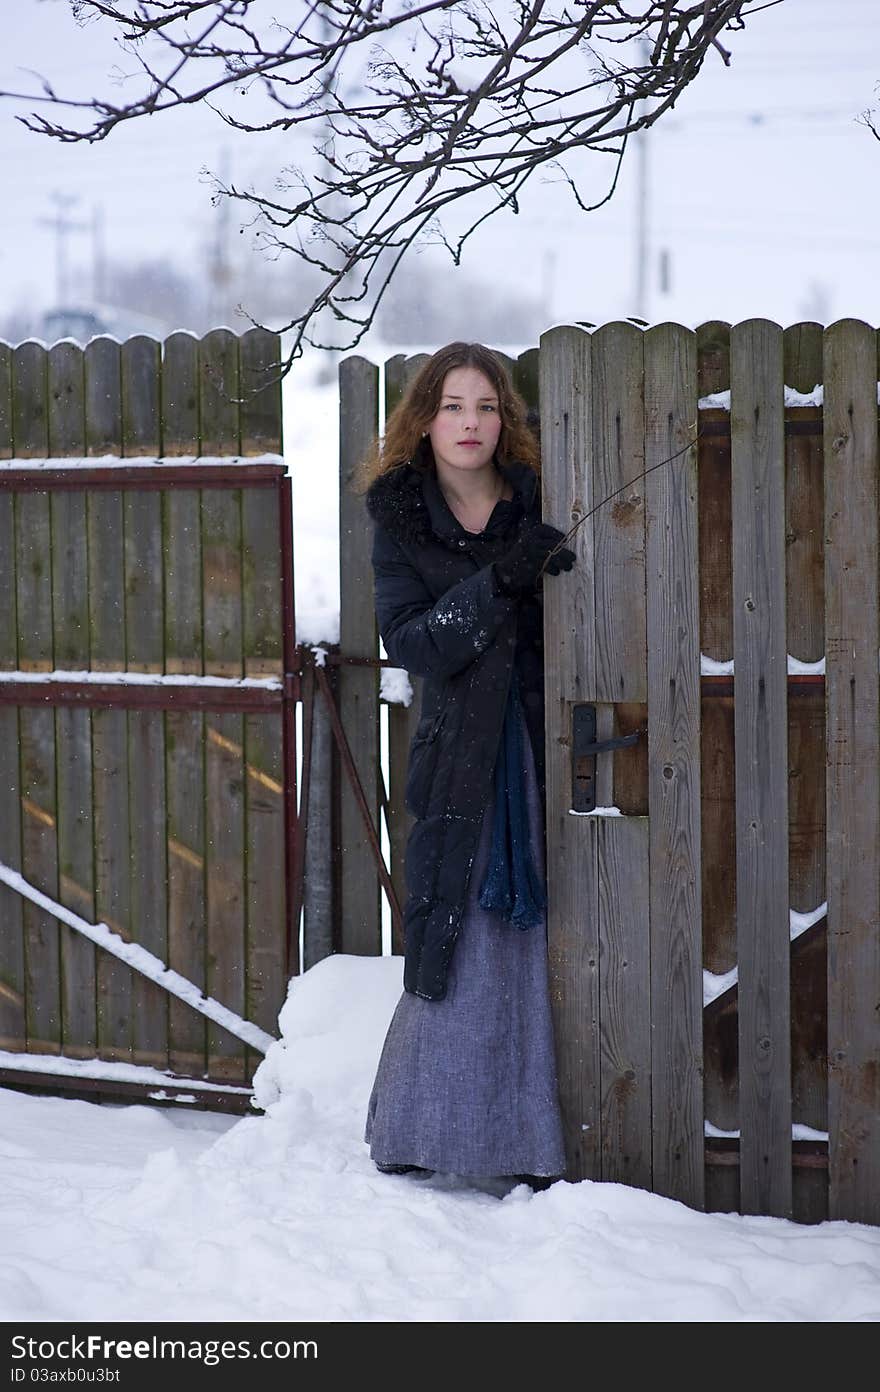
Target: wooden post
point(358, 686)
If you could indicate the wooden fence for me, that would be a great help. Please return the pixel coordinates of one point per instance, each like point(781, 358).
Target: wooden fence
point(715, 938)
point(145, 562)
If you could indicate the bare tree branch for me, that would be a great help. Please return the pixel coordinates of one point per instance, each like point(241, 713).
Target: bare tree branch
point(414, 109)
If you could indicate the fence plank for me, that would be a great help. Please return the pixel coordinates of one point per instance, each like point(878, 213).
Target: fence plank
point(112, 884)
point(266, 892)
point(360, 909)
point(33, 571)
point(619, 526)
point(225, 841)
point(112, 879)
point(713, 357)
point(12, 966)
point(12, 1023)
point(758, 500)
point(261, 582)
point(185, 801)
point(802, 355)
point(805, 622)
point(260, 366)
point(140, 363)
point(620, 675)
point(219, 393)
point(7, 443)
point(184, 730)
point(144, 604)
point(852, 770)
point(572, 842)
point(148, 908)
point(76, 875)
point(224, 735)
point(103, 367)
point(673, 623)
point(66, 386)
point(180, 395)
point(73, 727)
point(40, 867)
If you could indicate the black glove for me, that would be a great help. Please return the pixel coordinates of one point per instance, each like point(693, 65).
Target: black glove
point(517, 570)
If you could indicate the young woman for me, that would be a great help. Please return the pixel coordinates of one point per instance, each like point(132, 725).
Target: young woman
point(466, 1083)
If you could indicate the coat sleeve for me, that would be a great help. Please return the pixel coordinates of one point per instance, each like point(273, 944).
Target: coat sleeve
point(426, 638)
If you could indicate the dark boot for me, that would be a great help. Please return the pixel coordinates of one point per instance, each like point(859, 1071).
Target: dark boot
point(401, 1169)
point(536, 1182)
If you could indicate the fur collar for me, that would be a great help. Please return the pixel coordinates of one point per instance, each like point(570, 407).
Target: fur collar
point(408, 503)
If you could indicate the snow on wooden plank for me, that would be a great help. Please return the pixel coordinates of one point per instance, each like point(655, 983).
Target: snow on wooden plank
point(141, 961)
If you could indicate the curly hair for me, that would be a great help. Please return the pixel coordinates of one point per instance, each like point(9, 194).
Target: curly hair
point(403, 442)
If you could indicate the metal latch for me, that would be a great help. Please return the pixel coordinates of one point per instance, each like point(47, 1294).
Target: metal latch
point(585, 747)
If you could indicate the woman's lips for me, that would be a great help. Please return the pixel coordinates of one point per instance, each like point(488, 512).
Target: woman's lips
point(469, 444)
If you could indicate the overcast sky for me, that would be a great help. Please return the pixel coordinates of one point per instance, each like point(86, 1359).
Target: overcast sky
point(764, 190)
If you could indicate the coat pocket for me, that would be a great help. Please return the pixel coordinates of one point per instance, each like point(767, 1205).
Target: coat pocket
point(422, 763)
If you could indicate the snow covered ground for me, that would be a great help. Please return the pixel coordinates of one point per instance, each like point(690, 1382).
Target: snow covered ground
point(135, 1213)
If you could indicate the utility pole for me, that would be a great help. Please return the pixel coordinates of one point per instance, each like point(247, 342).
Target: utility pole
point(642, 252)
point(62, 226)
point(220, 271)
point(99, 258)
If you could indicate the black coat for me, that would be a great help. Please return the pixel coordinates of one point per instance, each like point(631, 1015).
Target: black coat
point(441, 618)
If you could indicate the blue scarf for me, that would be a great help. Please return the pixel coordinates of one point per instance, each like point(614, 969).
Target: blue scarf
point(511, 885)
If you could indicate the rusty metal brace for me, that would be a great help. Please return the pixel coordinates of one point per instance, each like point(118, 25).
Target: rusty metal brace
point(313, 672)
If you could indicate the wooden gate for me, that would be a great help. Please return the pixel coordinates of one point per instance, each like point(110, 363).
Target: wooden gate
point(714, 924)
point(147, 758)
point(689, 914)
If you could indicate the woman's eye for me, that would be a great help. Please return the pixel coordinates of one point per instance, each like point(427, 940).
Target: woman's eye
point(451, 406)
point(489, 407)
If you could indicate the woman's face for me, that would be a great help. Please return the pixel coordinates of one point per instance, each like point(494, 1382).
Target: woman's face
point(467, 425)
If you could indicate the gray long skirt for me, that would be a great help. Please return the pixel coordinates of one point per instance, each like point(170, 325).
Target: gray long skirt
point(467, 1085)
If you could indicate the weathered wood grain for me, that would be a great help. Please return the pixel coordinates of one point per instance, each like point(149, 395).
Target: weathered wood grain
point(112, 809)
point(570, 663)
point(103, 368)
point(673, 662)
point(73, 727)
point(185, 804)
point(617, 458)
point(226, 910)
point(13, 1033)
point(66, 390)
point(760, 712)
point(219, 390)
point(264, 884)
point(107, 650)
point(852, 769)
point(360, 909)
point(39, 866)
point(7, 444)
point(180, 395)
point(260, 365)
point(261, 582)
